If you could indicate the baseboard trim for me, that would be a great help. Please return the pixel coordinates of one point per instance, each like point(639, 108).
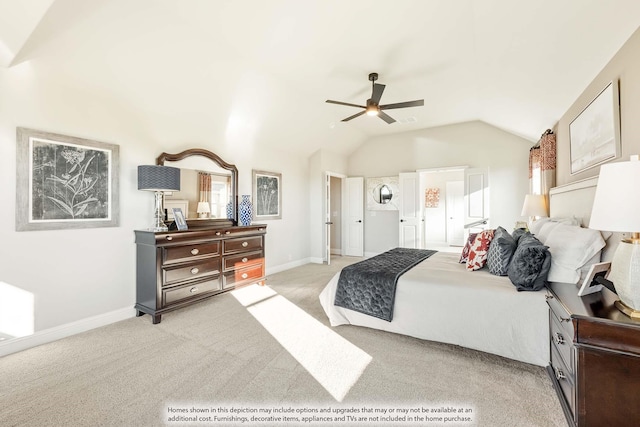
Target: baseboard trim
point(287, 266)
point(15, 345)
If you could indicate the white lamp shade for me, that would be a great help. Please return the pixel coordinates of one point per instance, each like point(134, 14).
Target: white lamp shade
point(615, 207)
point(203, 207)
point(534, 205)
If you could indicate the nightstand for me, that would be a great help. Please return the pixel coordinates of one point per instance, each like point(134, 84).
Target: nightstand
point(595, 357)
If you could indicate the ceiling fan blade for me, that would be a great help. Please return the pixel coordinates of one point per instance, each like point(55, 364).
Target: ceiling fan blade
point(354, 116)
point(387, 118)
point(418, 103)
point(345, 103)
point(377, 93)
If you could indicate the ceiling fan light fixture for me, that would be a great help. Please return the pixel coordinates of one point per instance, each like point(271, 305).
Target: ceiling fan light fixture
point(372, 110)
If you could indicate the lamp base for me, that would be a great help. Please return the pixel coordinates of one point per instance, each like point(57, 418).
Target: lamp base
point(634, 314)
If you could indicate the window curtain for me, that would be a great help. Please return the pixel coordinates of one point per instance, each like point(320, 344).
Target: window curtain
point(204, 183)
point(542, 164)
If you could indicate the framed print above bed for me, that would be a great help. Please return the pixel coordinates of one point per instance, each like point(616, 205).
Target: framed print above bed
point(65, 182)
point(595, 133)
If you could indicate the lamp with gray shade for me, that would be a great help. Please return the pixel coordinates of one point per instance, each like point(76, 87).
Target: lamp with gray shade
point(615, 208)
point(158, 179)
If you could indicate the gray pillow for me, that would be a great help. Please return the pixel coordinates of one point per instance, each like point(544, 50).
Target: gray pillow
point(500, 252)
point(529, 267)
point(519, 232)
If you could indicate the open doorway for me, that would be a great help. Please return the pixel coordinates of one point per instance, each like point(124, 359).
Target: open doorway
point(333, 234)
point(442, 192)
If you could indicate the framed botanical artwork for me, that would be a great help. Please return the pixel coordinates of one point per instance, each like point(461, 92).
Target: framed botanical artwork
point(267, 195)
point(64, 182)
point(595, 133)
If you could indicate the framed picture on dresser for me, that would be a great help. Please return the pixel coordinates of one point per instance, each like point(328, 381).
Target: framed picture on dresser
point(65, 182)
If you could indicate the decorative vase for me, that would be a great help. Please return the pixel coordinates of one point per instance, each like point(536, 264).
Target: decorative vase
point(245, 210)
point(229, 210)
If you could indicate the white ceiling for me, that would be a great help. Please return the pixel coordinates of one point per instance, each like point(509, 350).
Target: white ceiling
point(262, 69)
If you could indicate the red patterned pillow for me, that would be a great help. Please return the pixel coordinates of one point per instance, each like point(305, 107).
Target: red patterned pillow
point(479, 249)
point(467, 246)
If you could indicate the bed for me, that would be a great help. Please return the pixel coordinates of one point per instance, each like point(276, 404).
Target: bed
point(439, 300)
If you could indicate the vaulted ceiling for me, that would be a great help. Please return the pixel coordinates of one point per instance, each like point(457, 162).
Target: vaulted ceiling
point(264, 68)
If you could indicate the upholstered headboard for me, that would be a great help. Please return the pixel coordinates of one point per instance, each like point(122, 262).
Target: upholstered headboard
point(576, 199)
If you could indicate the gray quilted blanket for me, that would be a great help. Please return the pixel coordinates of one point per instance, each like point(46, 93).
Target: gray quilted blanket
point(369, 286)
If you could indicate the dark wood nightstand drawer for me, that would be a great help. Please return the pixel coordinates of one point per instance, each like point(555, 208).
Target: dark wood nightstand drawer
point(190, 271)
point(242, 244)
point(195, 251)
point(180, 293)
point(243, 276)
point(562, 316)
point(563, 343)
point(234, 262)
point(566, 380)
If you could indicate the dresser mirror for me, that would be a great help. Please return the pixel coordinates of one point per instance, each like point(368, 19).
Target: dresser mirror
point(207, 183)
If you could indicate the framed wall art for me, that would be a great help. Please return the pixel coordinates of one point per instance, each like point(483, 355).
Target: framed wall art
point(64, 182)
point(595, 133)
point(267, 195)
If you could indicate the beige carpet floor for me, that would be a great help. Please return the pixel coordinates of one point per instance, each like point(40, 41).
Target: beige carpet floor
point(217, 354)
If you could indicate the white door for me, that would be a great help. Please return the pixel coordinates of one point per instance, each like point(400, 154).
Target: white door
point(354, 216)
point(454, 206)
point(476, 199)
point(409, 211)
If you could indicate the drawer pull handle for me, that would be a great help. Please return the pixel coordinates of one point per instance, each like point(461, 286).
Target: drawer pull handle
point(195, 251)
point(565, 319)
point(169, 237)
point(559, 338)
point(245, 275)
point(560, 375)
point(245, 244)
point(227, 232)
point(217, 233)
point(194, 270)
point(193, 290)
point(547, 296)
point(245, 259)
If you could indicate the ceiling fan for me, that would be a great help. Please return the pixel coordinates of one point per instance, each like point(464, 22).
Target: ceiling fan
point(373, 107)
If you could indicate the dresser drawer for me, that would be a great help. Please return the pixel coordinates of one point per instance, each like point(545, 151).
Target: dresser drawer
point(181, 293)
point(562, 342)
point(244, 275)
point(190, 271)
point(566, 381)
point(184, 253)
point(233, 262)
point(242, 244)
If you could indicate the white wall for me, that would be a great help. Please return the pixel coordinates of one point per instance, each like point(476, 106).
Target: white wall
point(75, 275)
point(473, 144)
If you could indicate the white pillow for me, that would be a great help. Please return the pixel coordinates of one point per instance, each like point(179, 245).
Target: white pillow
point(536, 226)
point(571, 248)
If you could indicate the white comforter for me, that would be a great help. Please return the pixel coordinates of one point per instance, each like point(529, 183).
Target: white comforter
point(439, 300)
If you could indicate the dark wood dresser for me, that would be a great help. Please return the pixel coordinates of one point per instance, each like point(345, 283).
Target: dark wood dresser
point(178, 268)
point(595, 358)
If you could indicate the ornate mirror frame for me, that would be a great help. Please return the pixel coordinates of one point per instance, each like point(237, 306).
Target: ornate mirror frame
point(167, 157)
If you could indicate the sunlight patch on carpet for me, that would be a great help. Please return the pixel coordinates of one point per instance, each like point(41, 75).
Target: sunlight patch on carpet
point(332, 360)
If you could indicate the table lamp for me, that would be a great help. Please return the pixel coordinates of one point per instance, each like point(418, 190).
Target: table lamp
point(203, 209)
point(535, 205)
point(158, 179)
point(615, 208)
